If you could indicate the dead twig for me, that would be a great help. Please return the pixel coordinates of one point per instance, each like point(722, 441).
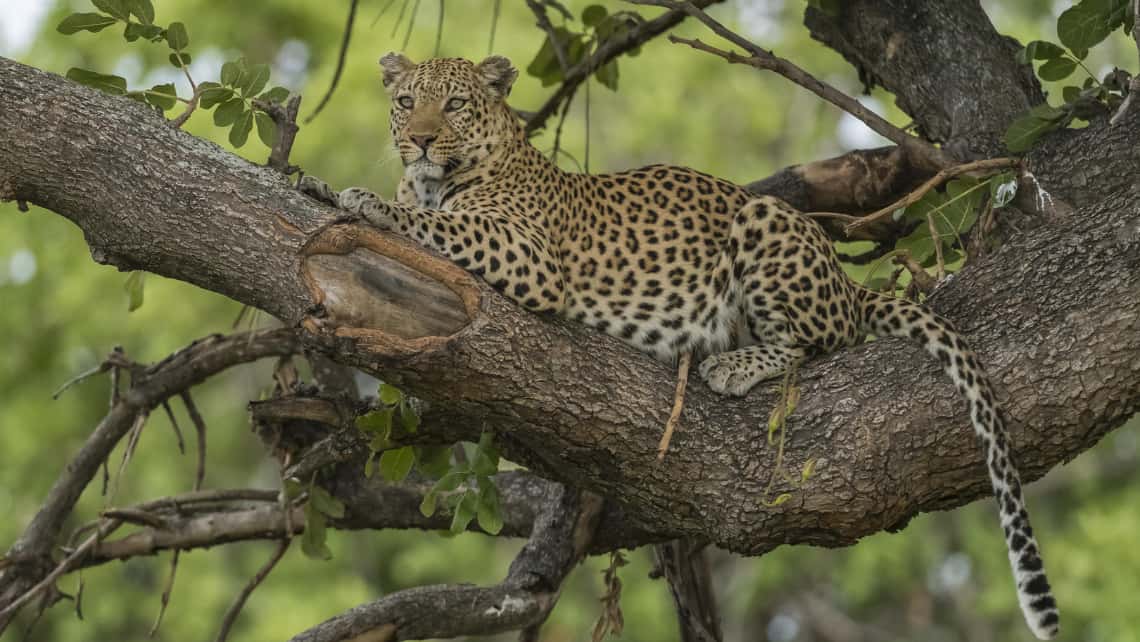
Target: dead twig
point(678, 404)
point(285, 117)
point(918, 276)
point(200, 430)
point(247, 590)
point(942, 176)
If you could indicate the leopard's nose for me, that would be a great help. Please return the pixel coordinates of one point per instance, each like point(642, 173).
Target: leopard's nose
point(422, 141)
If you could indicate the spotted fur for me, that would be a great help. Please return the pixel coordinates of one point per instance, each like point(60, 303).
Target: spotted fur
point(666, 258)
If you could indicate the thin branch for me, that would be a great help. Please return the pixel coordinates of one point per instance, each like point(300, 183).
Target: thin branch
point(254, 582)
point(942, 176)
point(1134, 84)
point(763, 59)
point(543, 22)
point(341, 56)
point(200, 430)
point(149, 387)
point(608, 50)
point(285, 117)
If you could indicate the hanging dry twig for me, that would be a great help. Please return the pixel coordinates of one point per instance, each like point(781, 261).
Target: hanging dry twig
point(341, 56)
point(678, 404)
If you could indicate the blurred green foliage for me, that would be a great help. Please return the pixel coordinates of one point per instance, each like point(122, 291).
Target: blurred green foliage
point(943, 578)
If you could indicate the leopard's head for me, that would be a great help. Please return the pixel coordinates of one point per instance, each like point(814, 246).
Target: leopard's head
point(448, 114)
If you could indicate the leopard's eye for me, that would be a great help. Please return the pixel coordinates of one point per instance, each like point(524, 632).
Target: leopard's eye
point(455, 104)
point(405, 102)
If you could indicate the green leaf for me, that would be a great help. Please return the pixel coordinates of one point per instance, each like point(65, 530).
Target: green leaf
point(779, 500)
point(239, 132)
point(377, 421)
point(213, 95)
point(593, 15)
point(544, 62)
point(103, 82)
point(488, 512)
point(486, 457)
point(142, 9)
point(447, 483)
point(1042, 50)
point(177, 37)
point(117, 8)
point(1086, 24)
point(607, 74)
point(408, 418)
point(1057, 69)
point(808, 470)
point(255, 81)
point(389, 395)
point(266, 128)
point(231, 71)
point(228, 112)
point(1071, 93)
point(326, 503)
point(162, 96)
point(77, 22)
point(1025, 131)
point(433, 461)
point(180, 60)
point(1003, 188)
point(134, 289)
point(313, 539)
point(369, 466)
point(275, 95)
point(293, 488)
point(396, 464)
point(464, 512)
point(134, 31)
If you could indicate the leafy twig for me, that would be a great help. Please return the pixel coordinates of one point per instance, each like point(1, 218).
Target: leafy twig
point(933, 182)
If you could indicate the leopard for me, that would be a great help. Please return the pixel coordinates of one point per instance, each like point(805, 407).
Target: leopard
point(665, 258)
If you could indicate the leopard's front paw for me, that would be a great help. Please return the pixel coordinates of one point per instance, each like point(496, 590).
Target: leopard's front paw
point(728, 374)
point(363, 202)
point(316, 188)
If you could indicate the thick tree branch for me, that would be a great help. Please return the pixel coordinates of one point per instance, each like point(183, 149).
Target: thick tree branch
point(1055, 314)
point(947, 66)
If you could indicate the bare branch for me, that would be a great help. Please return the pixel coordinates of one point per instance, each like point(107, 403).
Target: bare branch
point(255, 581)
point(1134, 84)
point(149, 388)
point(559, 539)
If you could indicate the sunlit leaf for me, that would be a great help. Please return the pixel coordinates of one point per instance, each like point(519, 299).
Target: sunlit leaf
point(77, 22)
point(134, 289)
point(396, 464)
point(103, 82)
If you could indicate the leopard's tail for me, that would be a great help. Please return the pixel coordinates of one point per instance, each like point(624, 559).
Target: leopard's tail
point(884, 315)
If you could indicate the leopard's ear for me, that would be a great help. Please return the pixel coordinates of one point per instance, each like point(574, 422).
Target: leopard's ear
point(498, 74)
point(395, 65)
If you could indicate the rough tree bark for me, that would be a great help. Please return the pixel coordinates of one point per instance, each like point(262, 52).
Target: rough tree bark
point(1055, 312)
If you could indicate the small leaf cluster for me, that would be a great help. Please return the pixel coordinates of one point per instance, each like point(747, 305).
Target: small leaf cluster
point(240, 83)
point(953, 211)
point(468, 490)
point(1079, 28)
point(320, 507)
point(598, 27)
point(379, 425)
